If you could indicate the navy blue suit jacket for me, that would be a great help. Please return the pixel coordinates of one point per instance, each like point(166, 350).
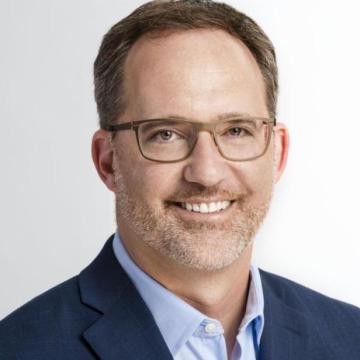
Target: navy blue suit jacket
point(100, 315)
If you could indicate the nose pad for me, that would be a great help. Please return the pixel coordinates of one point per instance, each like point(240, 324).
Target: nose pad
point(205, 166)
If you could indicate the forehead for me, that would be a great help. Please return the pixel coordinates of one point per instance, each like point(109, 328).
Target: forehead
point(187, 71)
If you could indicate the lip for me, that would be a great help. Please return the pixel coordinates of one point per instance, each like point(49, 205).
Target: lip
point(193, 215)
point(200, 200)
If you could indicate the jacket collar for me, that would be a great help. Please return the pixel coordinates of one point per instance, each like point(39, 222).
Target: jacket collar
point(286, 332)
point(126, 328)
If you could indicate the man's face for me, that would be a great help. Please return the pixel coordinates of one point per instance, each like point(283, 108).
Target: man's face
point(200, 75)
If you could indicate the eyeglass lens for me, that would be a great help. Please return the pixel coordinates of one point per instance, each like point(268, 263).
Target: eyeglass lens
point(171, 140)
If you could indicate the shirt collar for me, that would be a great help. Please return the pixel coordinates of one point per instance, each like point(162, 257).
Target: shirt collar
point(176, 319)
point(254, 312)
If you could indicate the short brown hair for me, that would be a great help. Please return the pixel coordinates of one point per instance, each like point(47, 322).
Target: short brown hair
point(172, 16)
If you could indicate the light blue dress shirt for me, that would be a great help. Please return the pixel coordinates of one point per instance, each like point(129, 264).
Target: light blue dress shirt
point(187, 332)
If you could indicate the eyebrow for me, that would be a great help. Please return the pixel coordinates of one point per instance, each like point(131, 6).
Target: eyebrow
point(231, 115)
point(224, 116)
point(150, 125)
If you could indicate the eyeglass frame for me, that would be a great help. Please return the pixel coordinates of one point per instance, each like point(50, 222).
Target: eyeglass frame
point(198, 126)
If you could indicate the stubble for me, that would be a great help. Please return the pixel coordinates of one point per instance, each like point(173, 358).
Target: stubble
point(198, 245)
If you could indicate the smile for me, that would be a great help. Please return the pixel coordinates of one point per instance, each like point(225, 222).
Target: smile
point(205, 208)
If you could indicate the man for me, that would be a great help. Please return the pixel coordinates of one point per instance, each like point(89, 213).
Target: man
point(190, 146)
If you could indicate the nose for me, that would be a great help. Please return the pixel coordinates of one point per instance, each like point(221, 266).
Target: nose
point(205, 166)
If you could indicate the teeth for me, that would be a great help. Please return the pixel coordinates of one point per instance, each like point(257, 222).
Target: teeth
point(213, 207)
point(206, 207)
point(225, 204)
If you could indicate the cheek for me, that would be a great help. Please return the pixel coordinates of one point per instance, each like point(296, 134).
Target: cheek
point(154, 181)
point(257, 177)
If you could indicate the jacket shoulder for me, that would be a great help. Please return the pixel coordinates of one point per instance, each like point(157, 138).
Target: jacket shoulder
point(300, 296)
point(55, 318)
point(335, 321)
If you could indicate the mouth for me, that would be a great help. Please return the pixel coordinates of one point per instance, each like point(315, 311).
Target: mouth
point(213, 207)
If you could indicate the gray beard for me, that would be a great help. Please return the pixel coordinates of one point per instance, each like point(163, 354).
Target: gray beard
point(203, 246)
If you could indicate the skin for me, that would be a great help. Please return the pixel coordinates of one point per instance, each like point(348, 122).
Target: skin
point(204, 259)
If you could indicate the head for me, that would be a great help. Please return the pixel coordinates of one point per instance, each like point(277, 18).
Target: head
point(205, 62)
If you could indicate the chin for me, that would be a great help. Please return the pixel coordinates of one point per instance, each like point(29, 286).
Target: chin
point(196, 253)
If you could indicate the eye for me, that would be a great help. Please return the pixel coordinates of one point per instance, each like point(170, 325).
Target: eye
point(165, 134)
point(238, 131)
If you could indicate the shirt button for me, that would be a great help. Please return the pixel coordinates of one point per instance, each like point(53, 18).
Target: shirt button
point(210, 328)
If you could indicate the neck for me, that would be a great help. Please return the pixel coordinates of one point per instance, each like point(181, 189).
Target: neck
point(220, 294)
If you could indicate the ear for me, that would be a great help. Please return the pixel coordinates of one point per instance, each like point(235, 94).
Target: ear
point(281, 149)
point(102, 155)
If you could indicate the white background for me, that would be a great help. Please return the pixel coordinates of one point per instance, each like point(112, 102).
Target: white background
point(55, 214)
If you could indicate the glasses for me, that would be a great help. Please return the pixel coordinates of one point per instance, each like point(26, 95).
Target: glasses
point(172, 140)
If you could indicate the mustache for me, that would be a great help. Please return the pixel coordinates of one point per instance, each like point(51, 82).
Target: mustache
point(206, 193)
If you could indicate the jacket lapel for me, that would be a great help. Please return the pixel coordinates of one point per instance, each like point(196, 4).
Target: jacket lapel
point(286, 332)
point(125, 328)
